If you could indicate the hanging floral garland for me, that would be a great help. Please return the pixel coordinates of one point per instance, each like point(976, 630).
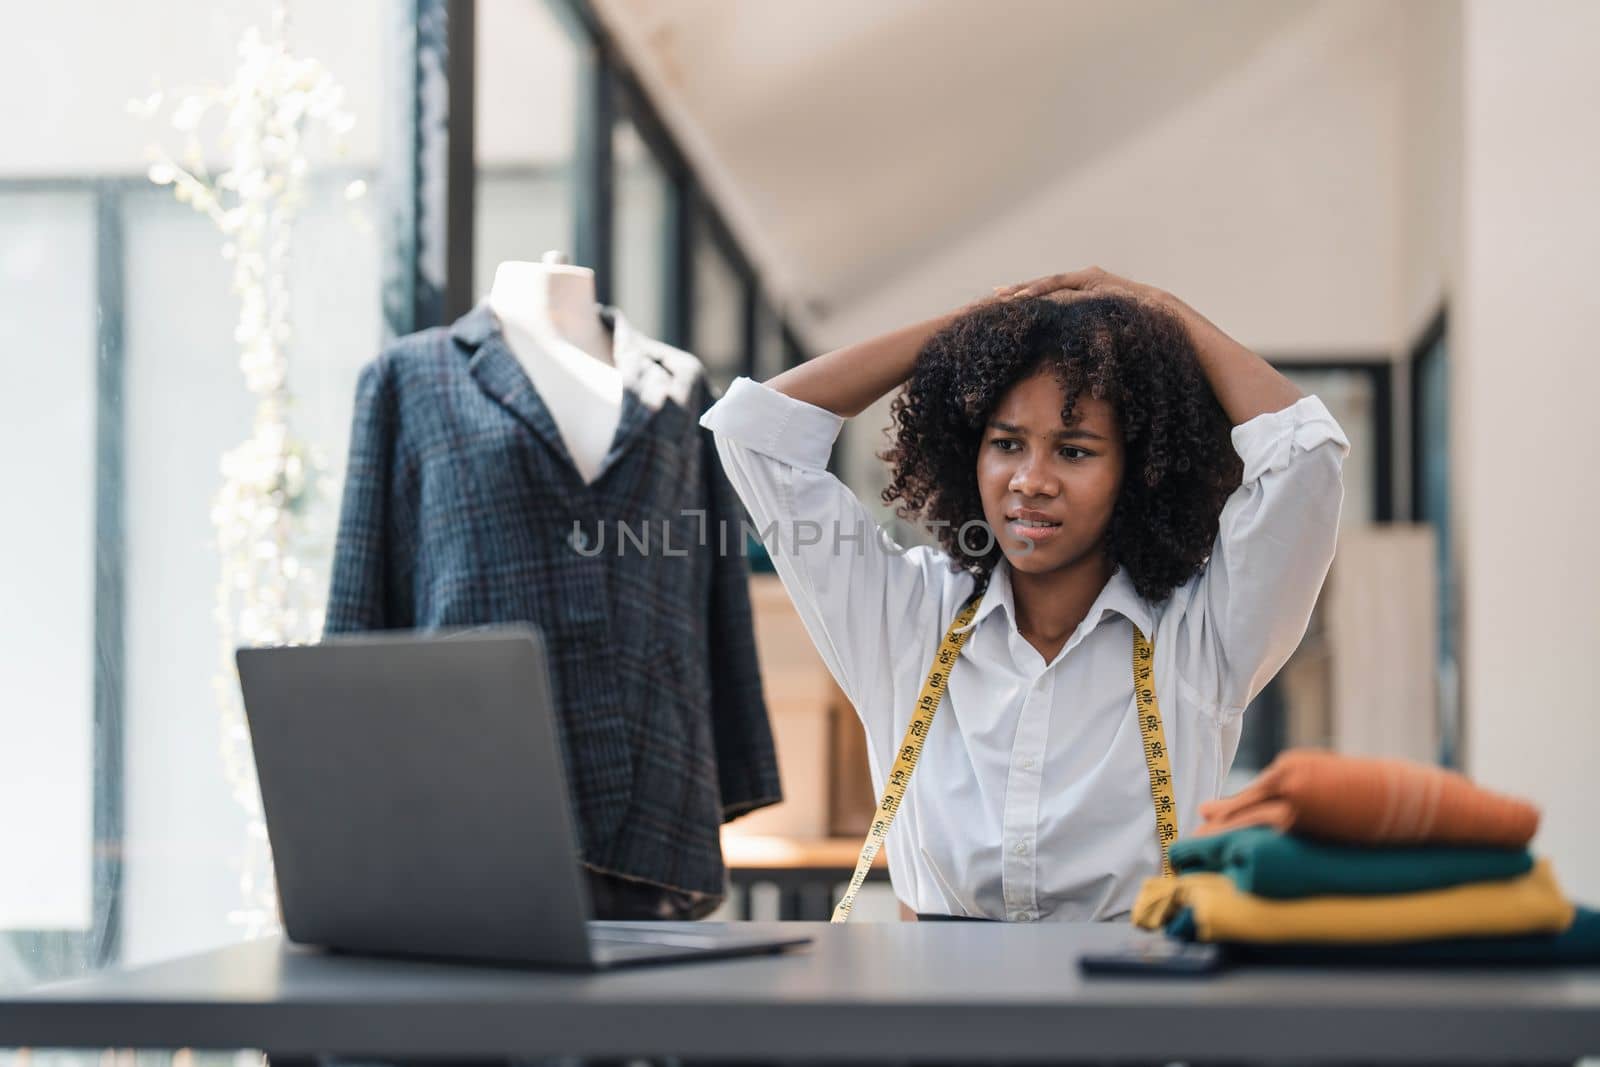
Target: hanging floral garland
point(266, 515)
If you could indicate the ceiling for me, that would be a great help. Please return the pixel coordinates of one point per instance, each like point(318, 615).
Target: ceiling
point(847, 141)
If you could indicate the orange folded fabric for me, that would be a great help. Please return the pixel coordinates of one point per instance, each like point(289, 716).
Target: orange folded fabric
point(1372, 802)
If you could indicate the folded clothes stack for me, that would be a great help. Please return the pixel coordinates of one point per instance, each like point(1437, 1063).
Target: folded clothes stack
point(1327, 858)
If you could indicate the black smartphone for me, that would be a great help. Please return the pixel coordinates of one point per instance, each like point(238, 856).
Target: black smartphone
point(1155, 956)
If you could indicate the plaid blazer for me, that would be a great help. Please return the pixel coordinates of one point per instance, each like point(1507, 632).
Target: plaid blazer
point(462, 507)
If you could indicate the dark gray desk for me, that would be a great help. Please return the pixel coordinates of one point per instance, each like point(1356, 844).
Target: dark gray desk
point(947, 991)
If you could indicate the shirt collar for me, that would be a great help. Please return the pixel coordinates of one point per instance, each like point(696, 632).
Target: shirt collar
point(652, 373)
point(1118, 596)
point(652, 370)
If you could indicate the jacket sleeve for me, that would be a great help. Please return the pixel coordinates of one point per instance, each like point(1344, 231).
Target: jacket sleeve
point(365, 591)
point(747, 765)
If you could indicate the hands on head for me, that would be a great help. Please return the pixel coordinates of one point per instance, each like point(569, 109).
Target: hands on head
point(1080, 284)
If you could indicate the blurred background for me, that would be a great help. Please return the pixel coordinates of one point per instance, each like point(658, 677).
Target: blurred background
point(1394, 202)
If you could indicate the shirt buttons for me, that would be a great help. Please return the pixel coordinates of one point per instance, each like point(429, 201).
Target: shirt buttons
point(1022, 916)
point(1020, 848)
point(578, 539)
point(1027, 764)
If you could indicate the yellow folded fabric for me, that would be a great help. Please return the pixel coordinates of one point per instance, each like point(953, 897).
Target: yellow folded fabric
point(1530, 904)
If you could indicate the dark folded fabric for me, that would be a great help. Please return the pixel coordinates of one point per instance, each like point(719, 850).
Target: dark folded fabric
point(1269, 863)
point(1579, 944)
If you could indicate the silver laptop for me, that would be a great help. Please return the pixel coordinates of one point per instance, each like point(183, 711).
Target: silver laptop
point(416, 805)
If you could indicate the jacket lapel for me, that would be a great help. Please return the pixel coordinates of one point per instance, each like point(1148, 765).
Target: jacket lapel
point(631, 420)
point(494, 367)
point(649, 380)
point(631, 364)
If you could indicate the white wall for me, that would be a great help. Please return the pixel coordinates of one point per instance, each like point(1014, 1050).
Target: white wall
point(1524, 356)
point(1429, 216)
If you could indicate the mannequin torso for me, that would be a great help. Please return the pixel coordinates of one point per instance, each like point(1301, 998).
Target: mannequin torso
point(550, 320)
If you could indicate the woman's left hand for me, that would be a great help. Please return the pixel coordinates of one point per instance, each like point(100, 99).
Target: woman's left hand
point(1078, 284)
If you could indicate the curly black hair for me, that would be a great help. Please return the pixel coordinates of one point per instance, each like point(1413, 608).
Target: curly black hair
point(1180, 464)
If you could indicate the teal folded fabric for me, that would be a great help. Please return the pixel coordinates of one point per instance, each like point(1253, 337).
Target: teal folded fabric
point(1182, 927)
point(1270, 863)
point(1578, 945)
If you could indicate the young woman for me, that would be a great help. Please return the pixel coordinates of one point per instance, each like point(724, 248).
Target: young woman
point(1095, 457)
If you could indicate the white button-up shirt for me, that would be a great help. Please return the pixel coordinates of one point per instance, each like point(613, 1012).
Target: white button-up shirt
point(1032, 800)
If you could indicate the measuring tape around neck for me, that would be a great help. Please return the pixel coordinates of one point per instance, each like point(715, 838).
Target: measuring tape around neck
point(1155, 747)
point(933, 687)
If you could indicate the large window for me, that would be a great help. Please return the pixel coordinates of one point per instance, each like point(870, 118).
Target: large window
point(525, 130)
point(48, 439)
point(771, 355)
point(640, 258)
point(148, 533)
point(718, 308)
point(127, 315)
point(1430, 484)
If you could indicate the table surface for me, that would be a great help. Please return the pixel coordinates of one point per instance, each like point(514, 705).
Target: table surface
point(904, 991)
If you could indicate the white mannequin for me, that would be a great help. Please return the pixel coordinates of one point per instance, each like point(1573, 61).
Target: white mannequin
point(548, 314)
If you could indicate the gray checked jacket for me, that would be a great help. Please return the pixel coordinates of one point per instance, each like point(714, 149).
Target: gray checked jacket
point(462, 507)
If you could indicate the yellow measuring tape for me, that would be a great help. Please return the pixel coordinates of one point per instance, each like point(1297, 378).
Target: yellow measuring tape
point(1155, 747)
point(905, 761)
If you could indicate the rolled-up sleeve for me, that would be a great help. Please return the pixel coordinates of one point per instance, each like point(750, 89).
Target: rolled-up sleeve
point(757, 419)
point(853, 587)
point(1275, 542)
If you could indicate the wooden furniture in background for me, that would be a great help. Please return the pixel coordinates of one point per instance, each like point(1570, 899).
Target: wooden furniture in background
point(809, 875)
point(1382, 632)
point(796, 686)
point(851, 801)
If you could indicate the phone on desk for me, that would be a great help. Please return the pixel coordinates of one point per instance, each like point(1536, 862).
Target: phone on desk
point(1155, 956)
